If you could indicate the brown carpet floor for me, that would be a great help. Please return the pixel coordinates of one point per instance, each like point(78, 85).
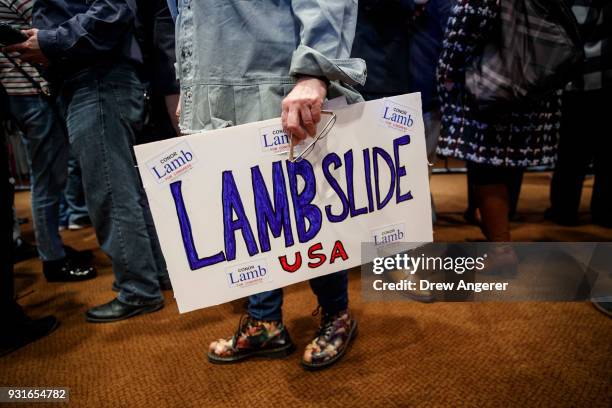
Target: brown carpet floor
point(407, 354)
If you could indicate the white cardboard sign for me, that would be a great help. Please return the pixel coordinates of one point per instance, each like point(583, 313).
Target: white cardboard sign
point(235, 217)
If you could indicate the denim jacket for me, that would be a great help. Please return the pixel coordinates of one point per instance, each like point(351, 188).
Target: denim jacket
point(237, 59)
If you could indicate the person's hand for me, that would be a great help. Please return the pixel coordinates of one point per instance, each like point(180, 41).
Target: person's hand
point(29, 50)
point(173, 106)
point(302, 107)
point(177, 112)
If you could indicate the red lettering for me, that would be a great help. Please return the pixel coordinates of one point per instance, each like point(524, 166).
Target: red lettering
point(312, 255)
point(291, 268)
point(315, 256)
point(338, 251)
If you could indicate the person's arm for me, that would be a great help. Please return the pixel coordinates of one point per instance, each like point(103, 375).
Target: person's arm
point(96, 31)
point(164, 57)
point(327, 29)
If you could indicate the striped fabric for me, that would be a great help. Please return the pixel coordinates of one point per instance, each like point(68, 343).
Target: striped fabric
point(536, 50)
point(18, 13)
point(595, 21)
point(524, 136)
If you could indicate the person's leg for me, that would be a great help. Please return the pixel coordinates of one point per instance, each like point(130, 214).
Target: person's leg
point(158, 256)
point(7, 288)
point(601, 200)
point(493, 200)
point(16, 231)
point(47, 149)
point(75, 197)
point(266, 305)
point(515, 182)
point(64, 211)
point(103, 112)
point(337, 328)
point(331, 292)
point(471, 214)
point(261, 334)
point(16, 329)
point(432, 120)
point(573, 158)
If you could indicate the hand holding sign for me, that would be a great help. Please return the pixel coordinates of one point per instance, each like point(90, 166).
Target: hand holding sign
point(235, 226)
point(302, 107)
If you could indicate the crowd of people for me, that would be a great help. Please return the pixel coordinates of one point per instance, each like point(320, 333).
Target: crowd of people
point(92, 79)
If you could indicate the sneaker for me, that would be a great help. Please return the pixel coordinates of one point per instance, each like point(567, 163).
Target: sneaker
point(331, 341)
point(75, 227)
point(254, 338)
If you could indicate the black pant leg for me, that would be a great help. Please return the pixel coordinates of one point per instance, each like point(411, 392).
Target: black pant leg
point(601, 201)
point(515, 182)
point(574, 156)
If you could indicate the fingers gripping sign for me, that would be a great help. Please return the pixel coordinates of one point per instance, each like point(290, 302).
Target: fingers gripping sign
point(302, 107)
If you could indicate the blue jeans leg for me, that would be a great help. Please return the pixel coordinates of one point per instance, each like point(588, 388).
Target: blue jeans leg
point(104, 110)
point(331, 291)
point(47, 148)
point(76, 210)
point(158, 256)
point(266, 305)
point(63, 211)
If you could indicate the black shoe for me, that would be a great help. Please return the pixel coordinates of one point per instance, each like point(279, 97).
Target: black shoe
point(24, 251)
point(78, 255)
point(67, 270)
point(116, 310)
point(20, 330)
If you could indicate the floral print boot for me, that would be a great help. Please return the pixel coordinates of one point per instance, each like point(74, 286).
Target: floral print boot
point(253, 338)
point(331, 341)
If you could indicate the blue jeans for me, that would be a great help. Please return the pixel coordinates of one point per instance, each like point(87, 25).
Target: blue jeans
point(104, 110)
point(331, 291)
point(47, 148)
point(72, 206)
